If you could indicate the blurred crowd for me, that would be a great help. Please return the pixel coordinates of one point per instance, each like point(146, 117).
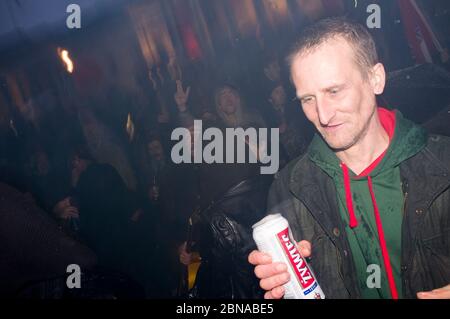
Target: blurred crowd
point(73, 193)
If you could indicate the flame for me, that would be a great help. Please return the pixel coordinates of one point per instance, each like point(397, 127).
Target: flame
point(64, 55)
point(130, 127)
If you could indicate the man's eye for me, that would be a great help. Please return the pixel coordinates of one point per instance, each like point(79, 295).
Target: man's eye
point(306, 100)
point(334, 91)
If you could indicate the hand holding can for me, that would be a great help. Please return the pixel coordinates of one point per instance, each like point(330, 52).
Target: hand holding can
point(280, 265)
point(273, 275)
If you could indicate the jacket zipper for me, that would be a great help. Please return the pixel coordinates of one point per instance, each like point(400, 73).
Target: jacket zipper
point(405, 283)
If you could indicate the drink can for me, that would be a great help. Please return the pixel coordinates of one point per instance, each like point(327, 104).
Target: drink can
point(273, 236)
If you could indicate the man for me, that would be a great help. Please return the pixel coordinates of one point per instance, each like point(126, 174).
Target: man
point(105, 208)
point(371, 191)
point(153, 167)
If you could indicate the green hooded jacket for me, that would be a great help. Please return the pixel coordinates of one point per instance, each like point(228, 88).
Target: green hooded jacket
point(408, 139)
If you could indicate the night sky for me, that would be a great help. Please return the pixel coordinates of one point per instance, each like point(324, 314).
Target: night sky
point(24, 20)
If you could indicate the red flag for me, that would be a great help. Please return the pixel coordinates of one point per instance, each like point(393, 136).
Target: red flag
point(187, 30)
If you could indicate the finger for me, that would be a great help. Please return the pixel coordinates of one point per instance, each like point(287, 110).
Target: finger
point(425, 295)
point(179, 85)
point(305, 248)
point(441, 295)
point(440, 290)
point(444, 288)
point(259, 258)
point(275, 281)
point(266, 271)
point(278, 292)
point(188, 90)
point(66, 215)
point(73, 215)
point(72, 210)
point(268, 295)
point(435, 294)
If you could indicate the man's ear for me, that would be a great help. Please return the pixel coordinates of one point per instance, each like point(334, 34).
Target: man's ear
point(378, 78)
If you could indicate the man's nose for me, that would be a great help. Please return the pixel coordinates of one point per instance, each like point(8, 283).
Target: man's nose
point(325, 111)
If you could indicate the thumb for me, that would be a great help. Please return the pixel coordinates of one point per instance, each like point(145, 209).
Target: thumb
point(305, 248)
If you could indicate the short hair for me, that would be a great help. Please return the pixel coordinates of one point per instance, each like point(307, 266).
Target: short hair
point(82, 152)
point(219, 88)
point(151, 136)
point(356, 35)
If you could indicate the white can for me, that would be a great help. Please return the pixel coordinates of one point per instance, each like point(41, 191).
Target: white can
point(273, 236)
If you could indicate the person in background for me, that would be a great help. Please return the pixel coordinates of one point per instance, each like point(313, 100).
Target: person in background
point(231, 202)
point(232, 109)
point(103, 207)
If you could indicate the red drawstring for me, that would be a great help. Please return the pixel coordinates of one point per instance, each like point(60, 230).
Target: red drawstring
point(354, 223)
point(348, 197)
point(384, 250)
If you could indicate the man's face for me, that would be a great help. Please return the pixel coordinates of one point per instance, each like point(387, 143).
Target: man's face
point(77, 163)
point(228, 100)
point(78, 166)
point(334, 94)
point(278, 97)
point(155, 150)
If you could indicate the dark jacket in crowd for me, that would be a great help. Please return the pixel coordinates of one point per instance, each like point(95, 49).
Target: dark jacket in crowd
point(105, 206)
point(33, 249)
point(233, 202)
